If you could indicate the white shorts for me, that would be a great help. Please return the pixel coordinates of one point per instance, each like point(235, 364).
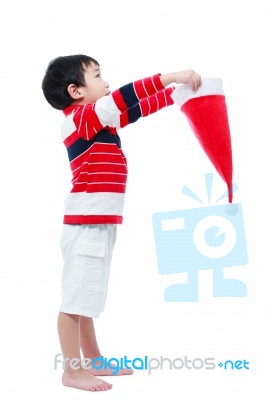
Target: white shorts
point(87, 251)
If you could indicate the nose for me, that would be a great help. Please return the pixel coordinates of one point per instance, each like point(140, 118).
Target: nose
point(106, 84)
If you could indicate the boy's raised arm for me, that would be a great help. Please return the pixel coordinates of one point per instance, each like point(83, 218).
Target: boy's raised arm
point(129, 95)
point(131, 101)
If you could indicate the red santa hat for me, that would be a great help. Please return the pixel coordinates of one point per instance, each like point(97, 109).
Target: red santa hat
point(206, 112)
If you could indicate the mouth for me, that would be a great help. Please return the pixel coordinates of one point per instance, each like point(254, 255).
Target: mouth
point(107, 94)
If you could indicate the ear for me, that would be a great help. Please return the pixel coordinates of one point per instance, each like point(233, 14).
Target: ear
point(74, 92)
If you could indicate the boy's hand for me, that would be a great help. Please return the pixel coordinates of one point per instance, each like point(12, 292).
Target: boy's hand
point(189, 77)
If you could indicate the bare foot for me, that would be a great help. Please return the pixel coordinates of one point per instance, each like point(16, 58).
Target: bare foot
point(110, 371)
point(81, 379)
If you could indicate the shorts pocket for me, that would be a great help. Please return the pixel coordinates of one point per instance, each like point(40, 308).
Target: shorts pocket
point(90, 248)
point(89, 265)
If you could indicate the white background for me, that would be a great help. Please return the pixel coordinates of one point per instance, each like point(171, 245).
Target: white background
point(130, 40)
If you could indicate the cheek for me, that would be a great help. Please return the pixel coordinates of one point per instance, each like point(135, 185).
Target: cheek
point(101, 90)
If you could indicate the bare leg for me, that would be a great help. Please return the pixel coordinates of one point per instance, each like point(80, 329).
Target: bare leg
point(88, 341)
point(90, 348)
point(68, 330)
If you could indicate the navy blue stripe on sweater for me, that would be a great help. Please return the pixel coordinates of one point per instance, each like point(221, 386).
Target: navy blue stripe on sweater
point(78, 147)
point(81, 145)
point(129, 95)
point(134, 113)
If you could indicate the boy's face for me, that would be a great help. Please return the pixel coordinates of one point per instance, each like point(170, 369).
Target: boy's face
point(95, 87)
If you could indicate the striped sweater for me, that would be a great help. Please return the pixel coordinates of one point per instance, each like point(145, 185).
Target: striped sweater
point(97, 161)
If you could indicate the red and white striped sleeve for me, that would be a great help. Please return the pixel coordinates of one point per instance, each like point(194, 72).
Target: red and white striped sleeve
point(146, 106)
point(123, 106)
point(130, 94)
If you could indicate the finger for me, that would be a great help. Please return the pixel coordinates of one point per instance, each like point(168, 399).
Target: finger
point(195, 85)
point(198, 82)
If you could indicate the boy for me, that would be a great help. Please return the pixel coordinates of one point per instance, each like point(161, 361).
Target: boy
point(94, 207)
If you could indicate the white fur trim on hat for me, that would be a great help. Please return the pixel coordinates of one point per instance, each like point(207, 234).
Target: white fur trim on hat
point(209, 86)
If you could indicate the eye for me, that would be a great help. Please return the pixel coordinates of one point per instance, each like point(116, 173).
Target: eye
point(98, 76)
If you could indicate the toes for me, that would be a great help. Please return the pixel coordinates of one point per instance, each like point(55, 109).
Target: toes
point(102, 387)
point(107, 386)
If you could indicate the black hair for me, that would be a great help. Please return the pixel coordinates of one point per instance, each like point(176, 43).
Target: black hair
point(60, 73)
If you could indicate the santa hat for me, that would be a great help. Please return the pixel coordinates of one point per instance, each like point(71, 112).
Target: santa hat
point(206, 112)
